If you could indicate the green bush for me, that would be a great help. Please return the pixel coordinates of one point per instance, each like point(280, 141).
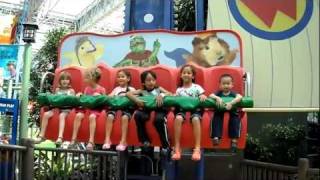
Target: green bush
point(277, 143)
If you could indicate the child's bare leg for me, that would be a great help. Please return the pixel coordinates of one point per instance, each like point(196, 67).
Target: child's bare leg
point(196, 132)
point(62, 119)
point(124, 129)
point(92, 128)
point(76, 126)
point(196, 155)
point(177, 134)
point(44, 123)
point(109, 124)
point(177, 131)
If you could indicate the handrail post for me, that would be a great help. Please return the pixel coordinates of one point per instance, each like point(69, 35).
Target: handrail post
point(122, 165)
point(27, 169)
point(303, 166)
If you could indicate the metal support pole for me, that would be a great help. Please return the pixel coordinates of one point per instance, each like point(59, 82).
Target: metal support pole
point(303, 166)
point(27, 169)
point(10, 87)
point(25, 92)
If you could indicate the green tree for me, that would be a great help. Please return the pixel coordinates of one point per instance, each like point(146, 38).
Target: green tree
point(45, 60)
point(185, 14)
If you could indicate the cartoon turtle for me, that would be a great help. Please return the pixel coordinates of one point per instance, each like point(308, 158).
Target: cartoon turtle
point(85, 53)
point(139, 56)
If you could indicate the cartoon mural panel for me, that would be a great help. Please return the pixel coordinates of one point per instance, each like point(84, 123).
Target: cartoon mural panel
point(148, 48)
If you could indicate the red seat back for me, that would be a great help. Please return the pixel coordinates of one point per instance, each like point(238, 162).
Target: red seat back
point(166, 77)
point(108, 77)
point(213, 75)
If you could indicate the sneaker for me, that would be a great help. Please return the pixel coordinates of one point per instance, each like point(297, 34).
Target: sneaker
point(165, 151)
point(106, 146)
point(176, 155)
point(39, 140)
point(121, 147)
point(146, 144)
point(59, 141)
point(234, 146)
point(196, 155)
point(72, 146)
point(215, 141)
point(90, 146)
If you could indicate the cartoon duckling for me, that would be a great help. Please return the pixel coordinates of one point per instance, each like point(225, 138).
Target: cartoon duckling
point(85, 53)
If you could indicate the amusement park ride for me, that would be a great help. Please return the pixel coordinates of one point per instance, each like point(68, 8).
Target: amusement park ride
point(144, 17)
point(147, 16)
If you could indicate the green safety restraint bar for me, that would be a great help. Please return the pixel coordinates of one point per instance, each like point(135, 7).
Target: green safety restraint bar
point(118, 102)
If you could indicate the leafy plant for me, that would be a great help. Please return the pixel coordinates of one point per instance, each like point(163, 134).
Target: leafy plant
point(278, 143)
point(185, 14)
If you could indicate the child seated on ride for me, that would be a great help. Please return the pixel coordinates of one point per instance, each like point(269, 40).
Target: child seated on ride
point(188, 88)
point(92, 78)
point(226, 84)
point(150, 88)
point(123, 81)
point(64, 88)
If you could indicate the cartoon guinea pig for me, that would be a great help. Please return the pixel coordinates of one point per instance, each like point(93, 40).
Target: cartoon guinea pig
point(209, 50)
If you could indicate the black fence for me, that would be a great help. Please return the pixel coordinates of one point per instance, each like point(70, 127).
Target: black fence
point(75, 164)
point(256, 170)
point(27, 163)
point(10, 161)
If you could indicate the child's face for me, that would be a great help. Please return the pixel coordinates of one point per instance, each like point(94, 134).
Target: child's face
point(187, 75)
point(89, 81)
point(65, 83)
point(150, 82)
point(122, 79)
point(10, 67)
point(226, 84)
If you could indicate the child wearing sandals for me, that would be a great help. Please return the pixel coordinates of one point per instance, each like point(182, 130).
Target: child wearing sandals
point(226, 84)
point(64, 88)
point(188, 88)
point(92, 78)
point(150, 88)
point(123, 81)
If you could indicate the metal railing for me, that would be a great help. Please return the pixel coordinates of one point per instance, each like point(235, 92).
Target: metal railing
point(27, 162)
point(256, 170)
point(10, 161)
point(52, 163)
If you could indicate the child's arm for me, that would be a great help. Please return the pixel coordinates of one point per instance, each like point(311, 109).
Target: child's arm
point(165, 92)
point(112, 92)
point(236, 100)
point(218, 99)
point(159, 98)
point(56, 90)
point(202, 96)
point(101, 91)
point(72, 92)
point(132, 96)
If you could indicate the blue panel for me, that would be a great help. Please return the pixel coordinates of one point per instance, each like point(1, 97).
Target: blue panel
point(143, 8)
point(148, 14)
point(199, 15)
point(11, 105)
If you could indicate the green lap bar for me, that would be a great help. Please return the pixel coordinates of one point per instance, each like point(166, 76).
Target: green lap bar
point(45, 99)
point(122, 102)
point(246, 102)
point(93, 102)
point(183, 102)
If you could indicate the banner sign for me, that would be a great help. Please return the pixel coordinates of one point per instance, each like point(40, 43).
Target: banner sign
point(148, 48)
point(8, 61)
